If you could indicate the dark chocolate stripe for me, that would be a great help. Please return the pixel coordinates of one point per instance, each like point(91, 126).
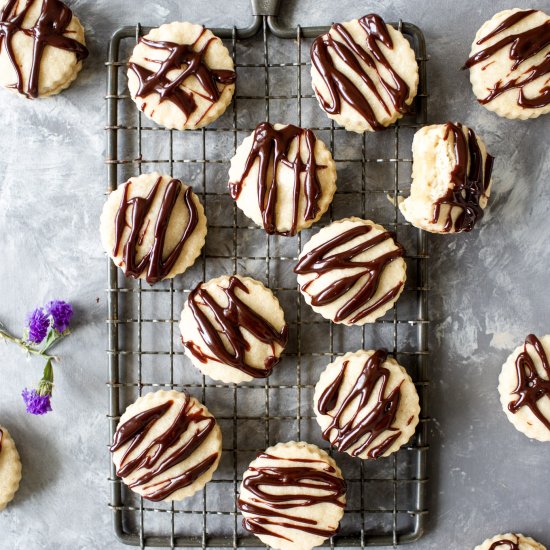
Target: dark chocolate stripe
point(470, 180)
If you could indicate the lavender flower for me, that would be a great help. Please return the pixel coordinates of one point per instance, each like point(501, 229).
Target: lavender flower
point(61, 313)
point(39, 401)
point(36, 403)
point(38, 324)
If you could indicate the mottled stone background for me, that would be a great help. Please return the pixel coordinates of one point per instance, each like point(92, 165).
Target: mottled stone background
point(490, 288)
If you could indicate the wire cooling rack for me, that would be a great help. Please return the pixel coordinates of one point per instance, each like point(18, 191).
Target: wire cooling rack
point(387, 497)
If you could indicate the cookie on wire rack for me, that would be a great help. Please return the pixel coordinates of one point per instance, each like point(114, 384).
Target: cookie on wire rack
point(352, 271)
point(292, 496)
point(10, 468)
point(451, 179)
point(153, 227)
point(364, 74)
point(510, 64)
point(42, 47)
point(233, 329)
point(166, 446)
point(181, 76)
point(366, 404)
point(282, 177)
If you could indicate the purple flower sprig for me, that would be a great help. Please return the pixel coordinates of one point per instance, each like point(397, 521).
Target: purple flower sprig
point(38, 401)
point(45, 327)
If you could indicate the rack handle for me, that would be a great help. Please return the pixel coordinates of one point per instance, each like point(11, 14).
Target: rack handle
point(266, 7)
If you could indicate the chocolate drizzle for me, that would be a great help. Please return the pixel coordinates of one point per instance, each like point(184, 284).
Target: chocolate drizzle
point(340, 87)
point(505, 544)
point(267, 508)
point(470, 180)
point(272, 147)
point(531, 386)
point(231, 320)
point(323, 260)
point(1, 438)
point(191, 62)
point(153, 261)
point(374, 424)
point(48, 30)
point(165, 451)
point(523, 46)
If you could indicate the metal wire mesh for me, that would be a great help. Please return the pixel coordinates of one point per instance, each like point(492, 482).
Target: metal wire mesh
point(387, 497)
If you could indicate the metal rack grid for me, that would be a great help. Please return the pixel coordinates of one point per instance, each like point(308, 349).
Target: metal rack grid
point(387, 498)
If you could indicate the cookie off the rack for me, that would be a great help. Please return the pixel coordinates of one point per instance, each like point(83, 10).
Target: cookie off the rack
point(510, 541)
point(510, 64)
point(352, 271)
point(451, 179)
point(283, 178)
point(166, 446)
point(292, 496)
point(42, 47)
point(153, 227)
point(366, 404)
point(524, 387)
point(233, 329)
point(181, 76)
point(10, 468)
point(364, 73)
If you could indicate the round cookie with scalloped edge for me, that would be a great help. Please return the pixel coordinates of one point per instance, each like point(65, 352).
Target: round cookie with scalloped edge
point(10, 468)
point(352, 271)
point(510, 541)
point(364, 74)
point(167, 446)
point(366, 404)
point(25, 67)
point(283, 178)
point(292, 496)
point(233, 329)
point(509, 68)
point(181, 76)
point(171, 217)
point(524, 387)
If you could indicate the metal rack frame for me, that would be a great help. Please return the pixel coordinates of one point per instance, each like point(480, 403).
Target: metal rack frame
point(126, 363)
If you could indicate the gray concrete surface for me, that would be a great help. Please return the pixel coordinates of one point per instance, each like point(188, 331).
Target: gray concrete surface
point(489, 288)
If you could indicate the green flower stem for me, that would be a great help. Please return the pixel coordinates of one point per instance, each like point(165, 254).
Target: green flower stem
point(45, 386)
point(24, 345)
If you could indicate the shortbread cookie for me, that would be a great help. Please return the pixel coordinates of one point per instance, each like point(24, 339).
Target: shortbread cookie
point(233, 329)
point(10, 468)
point(153, 227)
point(352, 271)
point(42, 46)
point(451, 179)
point(166, 446)
point(181, 76)
point(366, 404)
point(364, 73)
point(524, 387)
point(510, 541)
point(292, 496)
point(283, 178)
point(510, 64)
